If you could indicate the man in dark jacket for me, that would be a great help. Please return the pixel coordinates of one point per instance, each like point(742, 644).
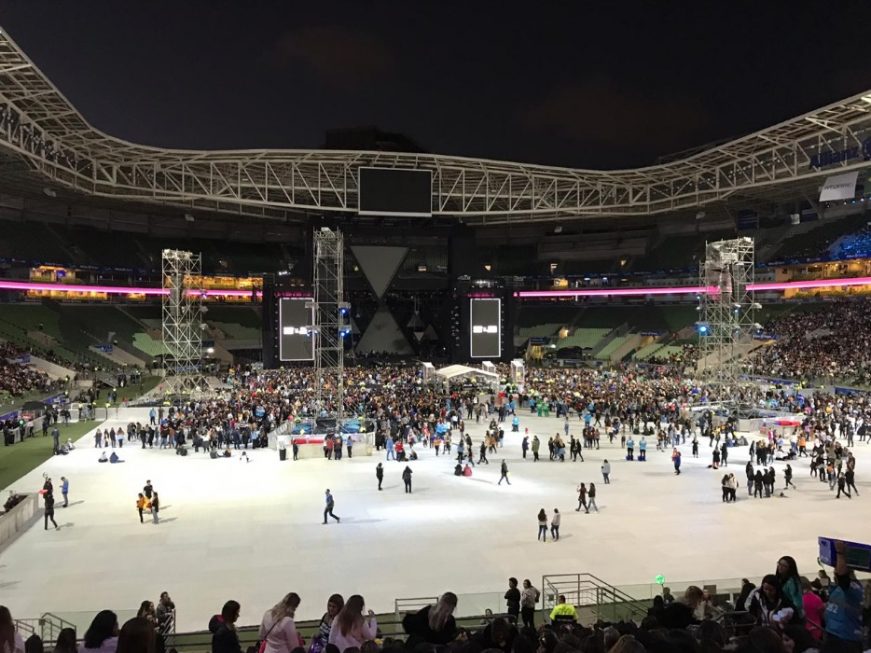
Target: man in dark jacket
point(224, 636)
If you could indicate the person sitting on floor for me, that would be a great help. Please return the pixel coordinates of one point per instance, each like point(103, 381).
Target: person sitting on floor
point(114, 458)
point(103, 458)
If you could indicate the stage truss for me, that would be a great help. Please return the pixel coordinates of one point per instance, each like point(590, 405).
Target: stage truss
point(728, 315)
point(330, 326)
point(181, 322)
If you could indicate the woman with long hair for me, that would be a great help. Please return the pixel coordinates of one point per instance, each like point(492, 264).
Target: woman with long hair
point(790, 583)
point(334, 605)
point(768, 605)
point(137, 636)
point(350, 628)
point(146, 611)
point(102, 635)
point(433, 624)
point(11, 640)
point(66, 641)
point(542, 525)
point(277, 628)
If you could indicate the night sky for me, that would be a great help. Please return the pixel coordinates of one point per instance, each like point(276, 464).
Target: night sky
point(577, 83)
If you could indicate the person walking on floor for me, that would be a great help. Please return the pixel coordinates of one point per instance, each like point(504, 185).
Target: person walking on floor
point(675, 458)
point(606, 472)
point(850, 477)
point(536, 445)
point(55, 438)
point(330, 504)
point(406, 478)
point(65, 490)
point(504, 475)
point(48, 497)
point(379, 474)
point(554, 525)
point(582, 498)
point(141, 504)
point(155, 508)
point(750, 476)
point(591, 498)
point(787, 478)
point(542, 525)
point(842, 487)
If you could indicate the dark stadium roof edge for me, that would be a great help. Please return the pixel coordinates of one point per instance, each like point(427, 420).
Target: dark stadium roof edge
point(40, 127)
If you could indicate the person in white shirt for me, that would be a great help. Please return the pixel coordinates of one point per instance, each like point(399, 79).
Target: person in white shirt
point(554, 524)
point(278, 628)
point(350, 629)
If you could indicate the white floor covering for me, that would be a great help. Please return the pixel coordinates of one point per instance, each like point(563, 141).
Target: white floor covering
point(253, 532)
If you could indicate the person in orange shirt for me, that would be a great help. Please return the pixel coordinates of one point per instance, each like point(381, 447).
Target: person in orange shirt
point(802, 445)
point(141, 504)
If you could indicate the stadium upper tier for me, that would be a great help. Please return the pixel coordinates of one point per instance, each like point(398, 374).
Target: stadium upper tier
point(41, 128)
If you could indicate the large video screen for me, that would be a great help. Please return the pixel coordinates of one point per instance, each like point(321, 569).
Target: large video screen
point(393, 191)
point(485, 335)
point(294, 319)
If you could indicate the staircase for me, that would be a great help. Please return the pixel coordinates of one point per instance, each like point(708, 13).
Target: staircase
point(47, 627)
point(595, 599)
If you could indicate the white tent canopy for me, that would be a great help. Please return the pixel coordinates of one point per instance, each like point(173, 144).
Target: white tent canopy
point(452, 372)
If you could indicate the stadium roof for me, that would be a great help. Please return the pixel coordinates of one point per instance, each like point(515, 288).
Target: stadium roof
point(41, 127)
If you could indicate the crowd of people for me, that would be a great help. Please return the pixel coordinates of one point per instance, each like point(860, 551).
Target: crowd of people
point(785, 613)
point(820, 346)
point(18, 378)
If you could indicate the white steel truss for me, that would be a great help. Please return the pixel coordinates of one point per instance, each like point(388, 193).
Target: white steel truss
point(728, 315)
point(182, 324)
point(39, 124)
point(330, 328)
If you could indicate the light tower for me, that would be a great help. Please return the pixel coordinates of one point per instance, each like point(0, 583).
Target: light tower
point(728, 310)
point(330, 326)
point(181, 321)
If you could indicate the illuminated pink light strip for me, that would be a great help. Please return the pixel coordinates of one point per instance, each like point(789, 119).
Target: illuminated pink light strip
point(813, 283)
point(112, 290)
point(617, 292)
point(694, 290)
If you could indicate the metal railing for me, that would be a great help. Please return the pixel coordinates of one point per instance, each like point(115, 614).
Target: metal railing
point(47, 627)
point(402, 606)
point(595, 597)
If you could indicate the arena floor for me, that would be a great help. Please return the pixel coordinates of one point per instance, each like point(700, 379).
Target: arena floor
point(253, 532)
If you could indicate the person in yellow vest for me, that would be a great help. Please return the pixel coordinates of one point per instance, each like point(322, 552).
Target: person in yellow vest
point(563, 612)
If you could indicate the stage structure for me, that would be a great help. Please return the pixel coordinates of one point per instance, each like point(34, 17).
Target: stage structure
point(727, 320)
point(182, 321)
point(331, 322)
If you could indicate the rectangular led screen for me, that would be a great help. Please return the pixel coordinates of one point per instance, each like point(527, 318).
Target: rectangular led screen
point(485, 326)
point(393, 191)
point(294, 320)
